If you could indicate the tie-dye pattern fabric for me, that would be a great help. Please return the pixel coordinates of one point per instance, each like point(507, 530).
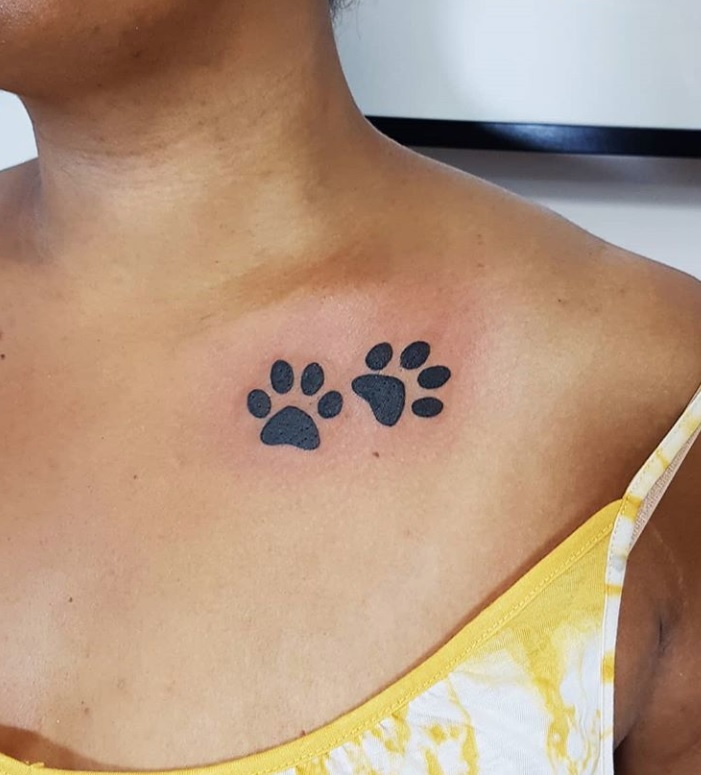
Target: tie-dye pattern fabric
point(525, 688)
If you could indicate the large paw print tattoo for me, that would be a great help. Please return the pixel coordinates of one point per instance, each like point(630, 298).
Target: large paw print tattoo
point(292, 425)
point(386, 395)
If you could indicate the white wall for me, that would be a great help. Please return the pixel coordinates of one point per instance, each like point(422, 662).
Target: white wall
point(16, 139)
point(651, 206)
point(595, 62)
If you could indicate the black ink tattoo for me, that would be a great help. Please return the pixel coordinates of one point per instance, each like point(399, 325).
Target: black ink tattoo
point(292, 425)
point(386, 395)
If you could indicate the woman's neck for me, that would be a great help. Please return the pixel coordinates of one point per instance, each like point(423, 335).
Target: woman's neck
point(238, 148)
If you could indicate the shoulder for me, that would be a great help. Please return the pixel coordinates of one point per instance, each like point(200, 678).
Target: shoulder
point(643, 318)
point(616, 339)
point(608, 331)
point(14, 185)
point(13, 180)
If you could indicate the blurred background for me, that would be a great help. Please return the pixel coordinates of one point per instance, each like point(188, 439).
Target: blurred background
point(511, 63)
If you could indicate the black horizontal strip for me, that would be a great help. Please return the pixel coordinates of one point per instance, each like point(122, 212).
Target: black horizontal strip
point(547, 138)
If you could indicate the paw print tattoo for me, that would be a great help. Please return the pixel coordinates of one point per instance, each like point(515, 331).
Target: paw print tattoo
point(292, 425)
point(386, 395)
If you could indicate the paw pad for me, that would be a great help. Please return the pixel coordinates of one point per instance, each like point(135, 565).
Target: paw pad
point(386, 395)
point(292, 425)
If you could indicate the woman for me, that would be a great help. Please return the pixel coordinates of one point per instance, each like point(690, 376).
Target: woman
point(316, 454)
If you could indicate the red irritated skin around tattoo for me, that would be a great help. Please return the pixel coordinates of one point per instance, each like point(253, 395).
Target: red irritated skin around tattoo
point(321, 380)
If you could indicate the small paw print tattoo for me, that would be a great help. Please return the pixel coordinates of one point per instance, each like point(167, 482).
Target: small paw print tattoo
point(386, 395)
point(291, 424)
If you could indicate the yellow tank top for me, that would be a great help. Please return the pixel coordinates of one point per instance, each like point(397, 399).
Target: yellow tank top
point(524, 688)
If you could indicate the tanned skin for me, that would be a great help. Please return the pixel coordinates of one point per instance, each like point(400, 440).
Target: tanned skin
point(213, 232)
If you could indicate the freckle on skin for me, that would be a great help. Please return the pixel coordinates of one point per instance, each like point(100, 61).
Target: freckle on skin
point(376, 454)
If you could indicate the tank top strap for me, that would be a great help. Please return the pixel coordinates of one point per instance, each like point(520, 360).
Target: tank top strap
point(637, 506)
point(651, 482)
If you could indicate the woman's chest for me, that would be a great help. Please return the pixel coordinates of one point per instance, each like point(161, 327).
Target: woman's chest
point(198, 632)
point(168, 581)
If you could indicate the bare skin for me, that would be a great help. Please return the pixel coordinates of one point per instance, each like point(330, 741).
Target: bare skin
point(207, 200)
